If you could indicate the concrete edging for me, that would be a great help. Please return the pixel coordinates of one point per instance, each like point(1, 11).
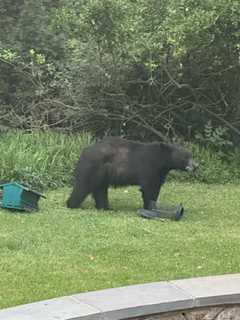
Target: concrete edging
point(133, 301)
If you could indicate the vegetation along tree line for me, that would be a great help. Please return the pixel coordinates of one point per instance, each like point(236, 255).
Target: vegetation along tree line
point(142, 69)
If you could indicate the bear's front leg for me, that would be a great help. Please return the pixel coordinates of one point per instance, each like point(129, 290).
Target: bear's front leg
point(150, 192)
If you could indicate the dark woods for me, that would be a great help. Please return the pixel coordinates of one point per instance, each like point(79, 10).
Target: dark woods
point(132, 68)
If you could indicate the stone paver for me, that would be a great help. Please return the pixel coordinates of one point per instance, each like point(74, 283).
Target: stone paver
point(212, 290)
point(54, 309)
point(137, 300)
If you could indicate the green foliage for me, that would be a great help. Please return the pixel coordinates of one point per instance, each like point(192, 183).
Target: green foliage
point(216, 138)
point(8, 55)
point(143, 69)
point(40, 159)
point(214, 166)
point(58, 251)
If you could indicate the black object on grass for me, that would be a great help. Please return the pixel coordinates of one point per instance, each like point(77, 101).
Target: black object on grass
point(162, 211)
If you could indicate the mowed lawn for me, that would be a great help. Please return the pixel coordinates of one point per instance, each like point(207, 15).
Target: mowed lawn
point(59, 251)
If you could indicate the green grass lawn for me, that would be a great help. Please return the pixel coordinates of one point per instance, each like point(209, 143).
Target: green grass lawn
point(59, 251)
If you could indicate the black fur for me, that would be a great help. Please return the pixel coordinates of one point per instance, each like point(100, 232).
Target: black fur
point(119, 162)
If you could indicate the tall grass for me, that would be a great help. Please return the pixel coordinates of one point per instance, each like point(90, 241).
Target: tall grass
point(46, 159)
point(216, 167)
point(40, 159)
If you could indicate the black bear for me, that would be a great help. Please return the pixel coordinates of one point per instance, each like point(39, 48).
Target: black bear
point(116, 162)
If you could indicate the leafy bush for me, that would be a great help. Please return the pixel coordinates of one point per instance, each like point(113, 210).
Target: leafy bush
point(144, 69)
point(216, 138)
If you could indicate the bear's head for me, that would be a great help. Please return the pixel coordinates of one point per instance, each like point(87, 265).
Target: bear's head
point(181, 159)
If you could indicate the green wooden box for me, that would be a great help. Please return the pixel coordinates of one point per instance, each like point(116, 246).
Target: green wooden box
point(19, 197)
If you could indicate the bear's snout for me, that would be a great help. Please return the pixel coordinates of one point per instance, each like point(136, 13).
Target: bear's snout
point(192, 165)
